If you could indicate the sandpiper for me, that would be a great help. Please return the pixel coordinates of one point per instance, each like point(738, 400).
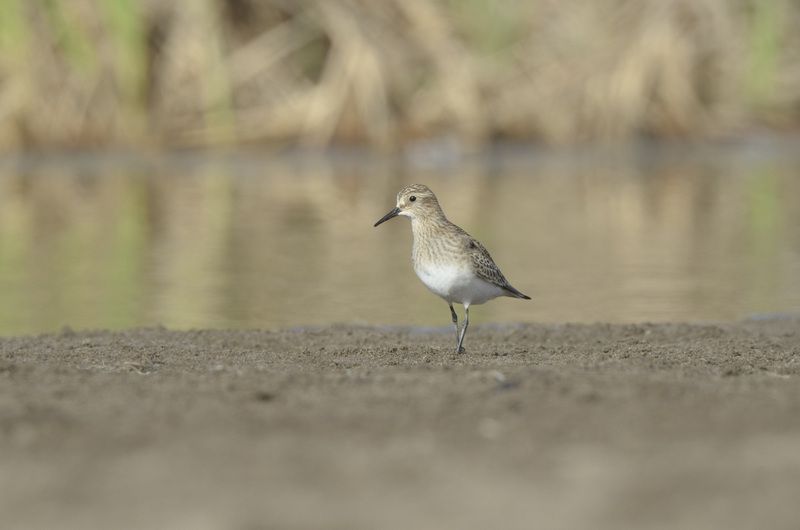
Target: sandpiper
point(450, 262)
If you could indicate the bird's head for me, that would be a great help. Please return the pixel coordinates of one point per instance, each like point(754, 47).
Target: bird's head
point(416, 201)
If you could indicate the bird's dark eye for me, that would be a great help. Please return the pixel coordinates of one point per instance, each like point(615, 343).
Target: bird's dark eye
point(412, 198)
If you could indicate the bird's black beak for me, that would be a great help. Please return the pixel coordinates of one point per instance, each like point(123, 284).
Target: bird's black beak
point(394, 213)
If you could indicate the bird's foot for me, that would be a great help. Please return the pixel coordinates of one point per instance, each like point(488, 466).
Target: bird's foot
point(461, 349)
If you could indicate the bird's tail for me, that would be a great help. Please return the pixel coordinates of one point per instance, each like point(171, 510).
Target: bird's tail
point(515, 294)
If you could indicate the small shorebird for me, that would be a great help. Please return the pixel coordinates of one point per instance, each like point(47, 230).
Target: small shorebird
point(450, 262)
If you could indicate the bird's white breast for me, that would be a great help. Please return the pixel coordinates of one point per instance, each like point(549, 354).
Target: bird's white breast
point(456, 283)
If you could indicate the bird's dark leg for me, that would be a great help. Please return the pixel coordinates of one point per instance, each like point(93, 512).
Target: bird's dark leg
point(455, 320)
point(460, 348)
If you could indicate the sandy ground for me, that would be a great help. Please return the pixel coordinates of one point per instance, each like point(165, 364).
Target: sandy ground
point(565, 426)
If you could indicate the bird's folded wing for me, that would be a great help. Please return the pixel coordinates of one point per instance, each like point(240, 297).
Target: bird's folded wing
point(484, 265)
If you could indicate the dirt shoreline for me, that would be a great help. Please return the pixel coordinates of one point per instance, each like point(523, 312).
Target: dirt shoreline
point(560, 426)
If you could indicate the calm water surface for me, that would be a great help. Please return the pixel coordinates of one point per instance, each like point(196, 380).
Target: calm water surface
point(241, 240)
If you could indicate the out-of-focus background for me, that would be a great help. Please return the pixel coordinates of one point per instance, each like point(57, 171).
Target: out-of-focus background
point(220, 163)
point(218, 72)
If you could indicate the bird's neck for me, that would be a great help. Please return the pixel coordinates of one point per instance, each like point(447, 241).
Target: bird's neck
point(429, 226)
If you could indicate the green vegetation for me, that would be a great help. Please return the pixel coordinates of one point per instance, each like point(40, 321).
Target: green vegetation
point(765, 50)
point(207, 72)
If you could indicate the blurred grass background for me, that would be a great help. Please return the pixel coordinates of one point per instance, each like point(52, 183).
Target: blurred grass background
point(89, 73)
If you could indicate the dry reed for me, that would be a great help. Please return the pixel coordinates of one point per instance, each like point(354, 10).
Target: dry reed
point(204, 72)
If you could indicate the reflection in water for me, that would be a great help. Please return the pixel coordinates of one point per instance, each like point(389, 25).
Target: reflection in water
point(216, 241)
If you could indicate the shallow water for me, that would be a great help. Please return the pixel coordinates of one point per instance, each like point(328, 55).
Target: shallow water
point(246, 240)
